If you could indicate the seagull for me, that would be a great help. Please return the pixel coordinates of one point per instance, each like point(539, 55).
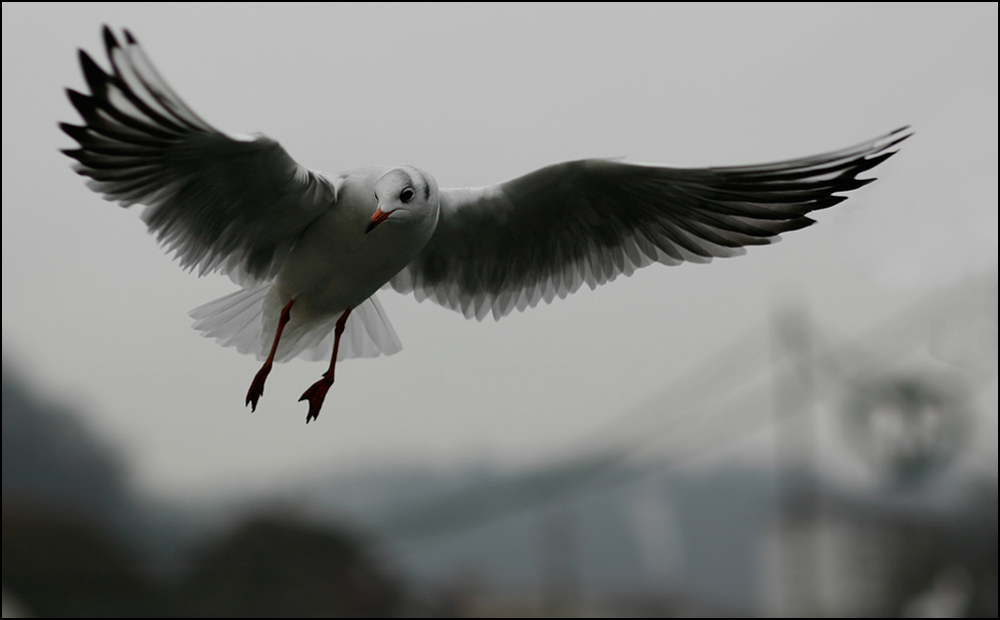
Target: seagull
point(310, 249)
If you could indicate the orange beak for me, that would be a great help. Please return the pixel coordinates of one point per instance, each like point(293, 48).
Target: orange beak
point(377, 218)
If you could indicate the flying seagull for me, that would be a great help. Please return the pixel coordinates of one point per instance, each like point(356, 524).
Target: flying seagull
point(310, 249)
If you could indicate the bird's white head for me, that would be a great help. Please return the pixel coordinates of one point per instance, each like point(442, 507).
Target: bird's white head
point(408, 197)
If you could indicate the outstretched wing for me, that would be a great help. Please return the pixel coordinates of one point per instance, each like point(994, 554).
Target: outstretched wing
point(546, 233)
point(219, 202)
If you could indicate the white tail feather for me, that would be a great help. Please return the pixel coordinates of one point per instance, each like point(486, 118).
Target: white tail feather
point(242, 319)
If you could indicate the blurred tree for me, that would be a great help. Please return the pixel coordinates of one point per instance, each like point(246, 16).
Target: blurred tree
point(72, 534)
point(58, 565)
point(281, 567)
point(51, 459)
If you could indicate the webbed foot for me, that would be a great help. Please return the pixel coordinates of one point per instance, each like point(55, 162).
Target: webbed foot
point(315, 395)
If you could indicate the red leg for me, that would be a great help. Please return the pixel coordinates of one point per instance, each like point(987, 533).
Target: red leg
point(257, 387)
point(317, 391)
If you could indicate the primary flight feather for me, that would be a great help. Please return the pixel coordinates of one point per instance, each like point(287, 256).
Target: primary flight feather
point(310, 249)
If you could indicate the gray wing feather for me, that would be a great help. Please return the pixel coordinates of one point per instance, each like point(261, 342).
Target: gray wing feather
point(218, 202)
point(546, 233)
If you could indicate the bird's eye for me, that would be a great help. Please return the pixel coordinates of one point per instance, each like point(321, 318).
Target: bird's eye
point(406, 195)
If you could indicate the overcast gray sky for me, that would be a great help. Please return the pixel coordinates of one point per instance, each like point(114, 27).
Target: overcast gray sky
point(96, 313)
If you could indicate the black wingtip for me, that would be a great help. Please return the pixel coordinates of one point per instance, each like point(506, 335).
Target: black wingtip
point(110, 42)
point(875, 160)
point(905, 129)
point(83, 103)
point(898, 136)
point(84, 59)
point(93, 73)
point(76, 132)
point(129, 39)
point(77, 154)
point(829, 201)
point(897, 141)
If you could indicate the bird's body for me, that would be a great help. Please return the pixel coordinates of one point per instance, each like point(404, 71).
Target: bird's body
point(335, 265)
point(310, 249)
